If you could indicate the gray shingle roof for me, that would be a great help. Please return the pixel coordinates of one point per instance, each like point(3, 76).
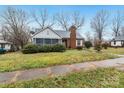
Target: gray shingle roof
point(66, 34)
point(61, 33)
point(119, 38)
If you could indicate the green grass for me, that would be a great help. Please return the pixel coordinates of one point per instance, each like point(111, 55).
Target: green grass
point(115, 51)
point(19, 61)
point(107, 77)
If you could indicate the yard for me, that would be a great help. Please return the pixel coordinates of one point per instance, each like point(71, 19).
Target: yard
point(115, 51)
point(19, 61)
point(108, 77)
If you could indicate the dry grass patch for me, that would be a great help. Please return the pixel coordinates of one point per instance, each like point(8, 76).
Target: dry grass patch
point(19, 61)
point(108, 77)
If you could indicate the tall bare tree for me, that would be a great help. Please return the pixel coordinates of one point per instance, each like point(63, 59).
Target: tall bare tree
point(4, 33)
point(117, 23)
point(99, 23)
point(43, 19)
point(77, 20)
point(65, 20)
point(88, 36)
point(122, 31)
point(15, 26)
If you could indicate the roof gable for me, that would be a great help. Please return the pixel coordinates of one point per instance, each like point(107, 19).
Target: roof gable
point(46, 33)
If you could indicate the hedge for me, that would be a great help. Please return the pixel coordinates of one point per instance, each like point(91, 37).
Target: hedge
point(58, 48)
point(79, 48)
point(32, 48)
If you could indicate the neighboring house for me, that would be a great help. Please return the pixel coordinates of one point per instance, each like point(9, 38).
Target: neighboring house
point(118, 41)
point(48, 36)
point(4, 44)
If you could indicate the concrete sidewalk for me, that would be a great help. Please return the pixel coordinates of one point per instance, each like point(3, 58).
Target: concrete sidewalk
point(10, 77)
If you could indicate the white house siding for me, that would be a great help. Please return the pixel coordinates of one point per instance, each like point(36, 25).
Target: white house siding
point(47, 33)
point(81, 43)
point(7, 46)
point(118, 43)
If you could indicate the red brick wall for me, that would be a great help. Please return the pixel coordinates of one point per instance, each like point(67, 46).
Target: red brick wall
point(72, 37)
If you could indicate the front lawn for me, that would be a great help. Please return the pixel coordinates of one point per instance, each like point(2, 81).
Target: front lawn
point(115, 51)
point(108, 77)
point(19, 61)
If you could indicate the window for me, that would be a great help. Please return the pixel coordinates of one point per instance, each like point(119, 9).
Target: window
point(78, 42)
point(42, 41)
point(39, 41)
point(47, 41)
point(114, 42)
point(54, 41)
point(2, 45)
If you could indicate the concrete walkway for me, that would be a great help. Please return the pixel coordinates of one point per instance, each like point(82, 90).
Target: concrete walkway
point(10, 77)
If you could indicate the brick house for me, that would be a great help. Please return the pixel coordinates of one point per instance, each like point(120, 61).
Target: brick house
point(48, 36)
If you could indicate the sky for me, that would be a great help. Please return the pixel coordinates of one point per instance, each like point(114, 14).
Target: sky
point(88, 11)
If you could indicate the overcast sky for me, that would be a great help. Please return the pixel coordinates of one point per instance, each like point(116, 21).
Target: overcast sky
point(88, 11)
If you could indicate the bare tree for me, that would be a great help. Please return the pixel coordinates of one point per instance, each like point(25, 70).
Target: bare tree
point(63, 20)
point(15, 26)
point(117, 23)
point(4, 33)
point(66, 20)
point(43, 19)
point(77, 20)
point(122, 31)
point(88, 36)
point(99, 23)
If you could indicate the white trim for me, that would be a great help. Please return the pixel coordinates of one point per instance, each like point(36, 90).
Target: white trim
point(81, 42)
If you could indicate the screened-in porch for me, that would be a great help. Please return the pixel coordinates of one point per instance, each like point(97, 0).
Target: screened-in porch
point(46, 41)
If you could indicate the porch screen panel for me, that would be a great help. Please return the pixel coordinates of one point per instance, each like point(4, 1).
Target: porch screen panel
point(55, 41)
point(47, 41)
point(39, 41)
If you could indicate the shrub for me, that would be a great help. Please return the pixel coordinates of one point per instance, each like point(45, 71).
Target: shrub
point(105, 45)
point(30, 48)
point(88, 44)
point(2, 51)
point(58, 48)
point(97, 46)
point(45, 48)
point(79, 48)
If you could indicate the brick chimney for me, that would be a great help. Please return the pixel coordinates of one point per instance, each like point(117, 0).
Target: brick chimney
point(72, 37)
